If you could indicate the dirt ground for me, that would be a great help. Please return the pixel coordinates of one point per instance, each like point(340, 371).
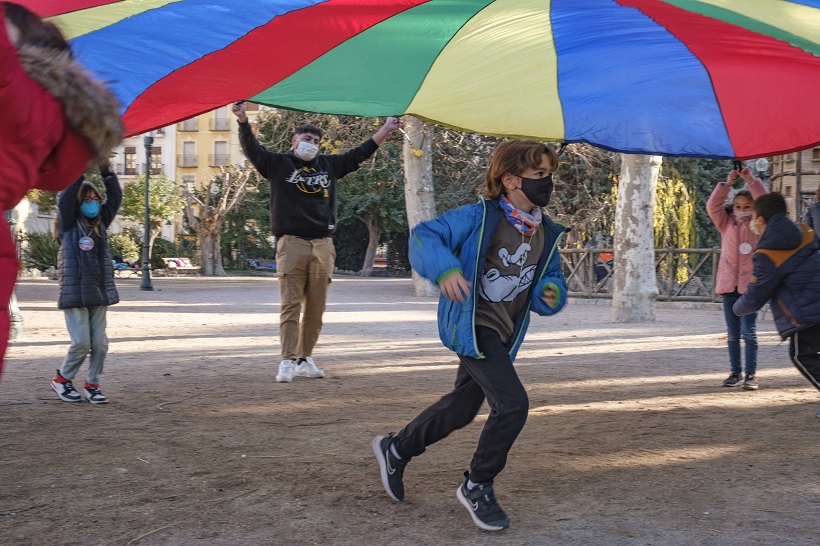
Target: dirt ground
point(630, 440)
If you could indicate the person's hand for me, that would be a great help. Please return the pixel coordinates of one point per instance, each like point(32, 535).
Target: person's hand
point(455, 287)
point(239, 109)
point(105, 167)
point(731, 177)
point(747, 176)
point(550, 296)
point(392, 123)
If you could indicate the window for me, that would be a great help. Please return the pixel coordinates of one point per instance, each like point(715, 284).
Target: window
point(189, 181)
point(220, 156)
point(130, 160)
point(156, 159)
point(188, 158)
point(189, 125)
point(815, 154)
point(220, 119)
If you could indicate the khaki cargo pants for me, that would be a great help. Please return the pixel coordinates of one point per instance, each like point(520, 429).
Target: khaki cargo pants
point(304, 268)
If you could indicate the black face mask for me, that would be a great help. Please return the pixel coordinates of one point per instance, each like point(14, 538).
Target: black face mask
point(538, 190)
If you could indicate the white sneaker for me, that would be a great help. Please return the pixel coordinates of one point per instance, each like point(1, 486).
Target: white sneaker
point(66, 391)
point(285, 374)
point(307, 368)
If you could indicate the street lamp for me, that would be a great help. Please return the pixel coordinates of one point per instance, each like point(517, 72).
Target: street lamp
point(146, 257)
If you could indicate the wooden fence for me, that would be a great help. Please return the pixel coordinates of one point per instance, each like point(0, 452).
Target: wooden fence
point(683, 274)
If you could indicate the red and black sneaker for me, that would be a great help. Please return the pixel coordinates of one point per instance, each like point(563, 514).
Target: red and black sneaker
point(93, 394)
point(65, 389)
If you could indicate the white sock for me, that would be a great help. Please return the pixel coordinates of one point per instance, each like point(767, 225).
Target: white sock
point(394, 452)
point(471, 484)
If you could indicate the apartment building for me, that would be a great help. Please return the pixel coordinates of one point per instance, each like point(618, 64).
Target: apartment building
point(796, 176)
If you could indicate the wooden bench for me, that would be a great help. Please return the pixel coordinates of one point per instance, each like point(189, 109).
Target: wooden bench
point(180, 265)
point(127, 272)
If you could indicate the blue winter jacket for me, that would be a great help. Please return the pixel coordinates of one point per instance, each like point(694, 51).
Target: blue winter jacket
point(787, 275)
point(458, 241)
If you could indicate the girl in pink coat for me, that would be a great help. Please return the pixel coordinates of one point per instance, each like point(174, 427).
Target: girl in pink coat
point(737, 244)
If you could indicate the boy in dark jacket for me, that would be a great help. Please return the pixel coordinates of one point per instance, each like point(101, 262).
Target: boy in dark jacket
point(787, 275)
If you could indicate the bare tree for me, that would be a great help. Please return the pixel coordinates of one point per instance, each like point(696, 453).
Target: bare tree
point(206, 208)
point(419, 194)
point(634, 286)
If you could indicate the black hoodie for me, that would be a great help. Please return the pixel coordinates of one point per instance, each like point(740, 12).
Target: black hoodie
point(302, 193)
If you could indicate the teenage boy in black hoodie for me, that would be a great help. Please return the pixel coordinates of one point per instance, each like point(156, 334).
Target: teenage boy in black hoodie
point(303, 218)
point(786, 274)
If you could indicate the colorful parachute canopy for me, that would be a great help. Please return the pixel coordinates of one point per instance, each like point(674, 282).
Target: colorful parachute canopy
point(711, 78)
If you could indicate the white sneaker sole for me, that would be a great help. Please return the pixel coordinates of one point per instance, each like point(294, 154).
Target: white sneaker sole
point(63, 398)
point(377, 451)
point(466, 502)
point(284, 378)
point(318, 375)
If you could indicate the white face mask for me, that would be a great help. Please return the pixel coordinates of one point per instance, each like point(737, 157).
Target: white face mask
point(306, 151)
point(754, 228)
point(742, 216)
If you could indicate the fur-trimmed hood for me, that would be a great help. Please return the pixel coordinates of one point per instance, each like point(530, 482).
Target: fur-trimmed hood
point(90, 108)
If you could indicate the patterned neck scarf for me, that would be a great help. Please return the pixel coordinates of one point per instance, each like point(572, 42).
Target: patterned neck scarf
point(527, 224)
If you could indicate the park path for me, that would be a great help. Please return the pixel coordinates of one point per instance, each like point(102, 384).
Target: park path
point(630, 438)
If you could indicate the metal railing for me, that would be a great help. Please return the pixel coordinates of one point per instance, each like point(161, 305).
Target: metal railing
point(122, 169)
point(683, 274)
point(187, 160)
point(189, 125)
point(218, 160)
point(219, 124)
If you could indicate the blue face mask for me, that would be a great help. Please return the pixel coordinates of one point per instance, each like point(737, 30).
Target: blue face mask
point(90, 209)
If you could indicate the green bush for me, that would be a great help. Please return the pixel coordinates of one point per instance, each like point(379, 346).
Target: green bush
point(121, 244)
point(350, 240)
point(40, 251)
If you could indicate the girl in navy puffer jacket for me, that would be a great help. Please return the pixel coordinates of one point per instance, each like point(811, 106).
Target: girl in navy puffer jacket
point(86, 274)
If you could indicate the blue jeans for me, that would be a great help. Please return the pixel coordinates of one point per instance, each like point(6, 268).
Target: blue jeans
point(86, 326)
point(740, 327)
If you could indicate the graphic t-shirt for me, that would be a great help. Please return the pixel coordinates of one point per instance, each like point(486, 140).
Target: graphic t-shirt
point(509, 271)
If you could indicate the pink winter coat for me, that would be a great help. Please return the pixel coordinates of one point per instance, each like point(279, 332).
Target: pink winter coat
point(735, 268)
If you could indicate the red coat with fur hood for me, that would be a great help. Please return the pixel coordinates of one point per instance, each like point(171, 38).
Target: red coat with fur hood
point(54, 119)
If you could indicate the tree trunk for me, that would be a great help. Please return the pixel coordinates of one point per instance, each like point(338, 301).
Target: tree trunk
point(634, 285)
point(419, 195)
point(374, 235)
point(212, 254)
point(153, 233)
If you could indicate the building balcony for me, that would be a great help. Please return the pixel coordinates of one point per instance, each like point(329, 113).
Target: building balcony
point(218, 160)
point(219, 124)
point(121, 169)
point(189, 125)
point(187, 160)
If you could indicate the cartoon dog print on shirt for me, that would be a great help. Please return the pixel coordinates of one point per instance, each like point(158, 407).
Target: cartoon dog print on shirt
point(496, 287)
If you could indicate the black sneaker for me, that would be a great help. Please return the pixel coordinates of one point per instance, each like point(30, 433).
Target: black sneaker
point(733, 380)
point(94, 395)
point(66, 391)
point(484, 509)
point(750, 383)
point(392, 469)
